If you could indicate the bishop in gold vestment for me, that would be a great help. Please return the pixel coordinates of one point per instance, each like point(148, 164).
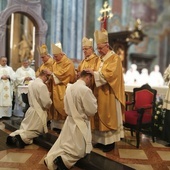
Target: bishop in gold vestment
point(46, 59)
point(90, 60)
point(48, 62)
point(63, 73)
point(110, 95)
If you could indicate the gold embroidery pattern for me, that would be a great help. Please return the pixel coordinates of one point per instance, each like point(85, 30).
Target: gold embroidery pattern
point(6, 88)
point(6, 96)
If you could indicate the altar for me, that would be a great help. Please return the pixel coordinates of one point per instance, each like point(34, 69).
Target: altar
point(161, 90)
point(22, 89)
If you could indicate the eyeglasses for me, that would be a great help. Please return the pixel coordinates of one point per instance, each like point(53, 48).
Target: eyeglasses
point(100, 48)
point(85, 49)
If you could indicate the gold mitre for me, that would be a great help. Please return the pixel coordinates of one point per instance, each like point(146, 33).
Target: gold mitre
point(101, 36)
point(87, 42)
point(56, 48)
point(42, 49)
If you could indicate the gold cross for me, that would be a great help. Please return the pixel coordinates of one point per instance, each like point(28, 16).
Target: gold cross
point(6, 96)
point(105, 15)
point(106, 9)
point(6, 88)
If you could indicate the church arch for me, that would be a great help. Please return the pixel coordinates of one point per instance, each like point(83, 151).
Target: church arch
point(31, 9)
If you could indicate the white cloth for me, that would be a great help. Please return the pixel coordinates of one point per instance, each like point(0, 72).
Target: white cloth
point(132, 77)
point(6, 91)
point(35, 121)
point(156, 79)
point(72, 143)
point(143, 79)
point(21, 74)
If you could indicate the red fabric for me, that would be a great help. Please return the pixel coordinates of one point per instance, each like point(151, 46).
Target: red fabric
point(128, 103)
point(132, 116)
point(143, 98)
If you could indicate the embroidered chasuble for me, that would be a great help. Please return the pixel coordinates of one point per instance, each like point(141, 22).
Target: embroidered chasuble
point(65, 73)
point(90, 62)
point(6, 91)
point(47, 65)
point(107, 93)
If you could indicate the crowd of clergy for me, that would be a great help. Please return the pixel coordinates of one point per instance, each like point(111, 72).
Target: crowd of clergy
point(134, 77)
point(87, 115)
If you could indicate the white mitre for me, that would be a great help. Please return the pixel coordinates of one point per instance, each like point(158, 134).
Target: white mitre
point(101, 36)
point(56, 48)
point(42, 49)
point(87, 42)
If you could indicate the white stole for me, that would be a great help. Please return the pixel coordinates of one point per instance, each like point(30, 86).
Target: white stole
point(42, 114)
point(79, 121)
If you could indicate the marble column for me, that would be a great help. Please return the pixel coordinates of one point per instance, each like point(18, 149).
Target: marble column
point(98, 6)
point(67, 26)
point(66, 42)
point(80, 29)
point(15, 61)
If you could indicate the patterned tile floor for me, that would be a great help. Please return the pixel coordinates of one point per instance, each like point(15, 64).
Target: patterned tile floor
point(150, 156)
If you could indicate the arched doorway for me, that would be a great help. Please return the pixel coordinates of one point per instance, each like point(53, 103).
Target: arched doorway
point(31, 10)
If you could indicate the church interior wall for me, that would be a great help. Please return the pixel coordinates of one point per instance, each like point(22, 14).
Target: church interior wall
point(67, 24)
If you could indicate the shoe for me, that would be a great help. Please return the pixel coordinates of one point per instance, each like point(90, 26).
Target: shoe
point(19, 142)
point(49, 123)
point(45, 163)
point(98, 145)
point(10, 140)
point(109, 147)
point(57, 130)
point(167, 145)
point(60, 164)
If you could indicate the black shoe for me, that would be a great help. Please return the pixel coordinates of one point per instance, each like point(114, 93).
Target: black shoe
point(10, 140)
point(167, 145)
point(45, 163)
point(109, 147)
point(98, 145)
point(60, 164)
point(48, 123)
point(57, 130)
point(19, 142)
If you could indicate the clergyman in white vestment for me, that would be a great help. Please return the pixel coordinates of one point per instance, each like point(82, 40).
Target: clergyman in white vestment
point(23, 75)
point(35, 121)
point(155, 77)
point(7, 78)
point(74, 141)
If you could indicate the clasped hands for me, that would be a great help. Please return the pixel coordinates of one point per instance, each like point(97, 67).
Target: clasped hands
point(27, 79)
point(5, 77)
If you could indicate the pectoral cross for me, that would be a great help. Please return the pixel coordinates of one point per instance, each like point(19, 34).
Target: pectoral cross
point(105, 15)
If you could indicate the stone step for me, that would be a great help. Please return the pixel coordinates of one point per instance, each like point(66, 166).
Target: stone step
point(92, 161)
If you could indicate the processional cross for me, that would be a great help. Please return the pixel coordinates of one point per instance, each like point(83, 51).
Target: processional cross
point(105, 12)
